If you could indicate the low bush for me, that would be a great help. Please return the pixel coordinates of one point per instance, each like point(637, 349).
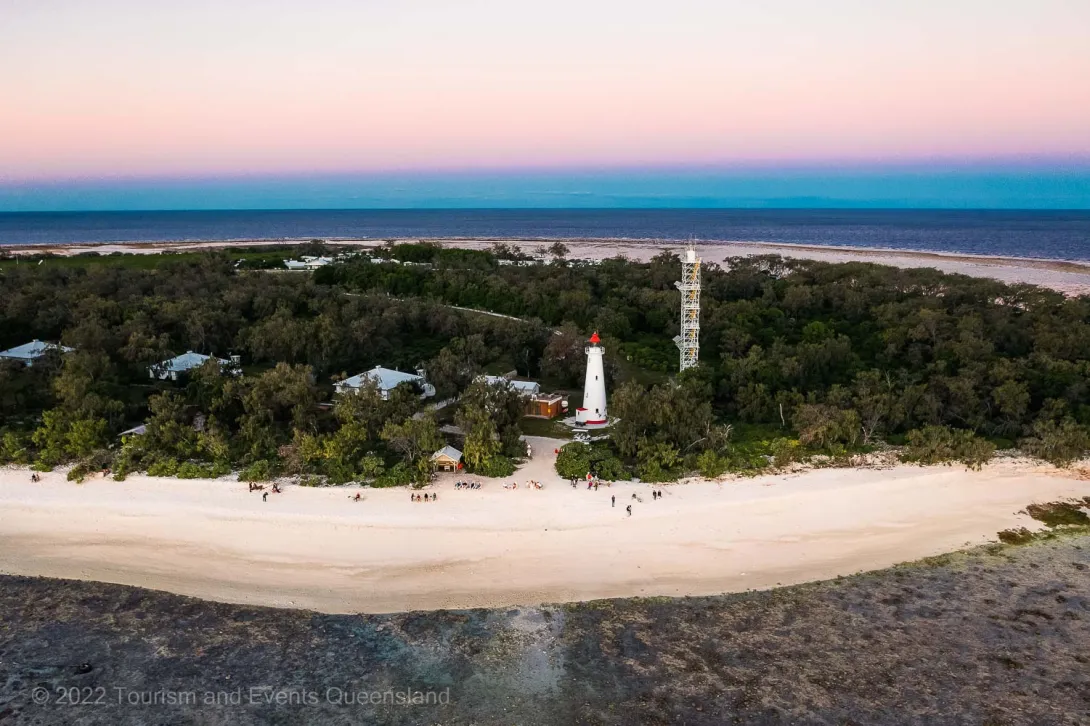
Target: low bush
point(495, 467)
point(944, 445)
point(398, 476)
point(258, 471)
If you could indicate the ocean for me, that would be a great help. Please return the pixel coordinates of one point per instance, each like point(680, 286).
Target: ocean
point(1060, 235)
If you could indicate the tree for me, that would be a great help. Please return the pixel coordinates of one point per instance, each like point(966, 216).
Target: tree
point(489, 416)
point(629, 405)
point(416, 439)
point(363, 410)
point(558, 250)
point(873, 399)
point(564, 358)
point(481, 442)
point(656, 460)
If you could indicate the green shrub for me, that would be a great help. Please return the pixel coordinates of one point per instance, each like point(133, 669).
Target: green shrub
point(711, 465)
point(1061, 443)
point(399, 475)
point(943, 445)
point(785, 452)
point(573, 462)
point(219, 468)
point(79, 472)
point(495, 466)
point(14, 448)
point(192, 470)
point(657, 461)
point(163, 467)
point(609, 467)
point(262, 470)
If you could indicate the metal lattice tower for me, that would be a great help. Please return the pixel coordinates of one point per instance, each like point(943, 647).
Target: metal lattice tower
point(689, 340)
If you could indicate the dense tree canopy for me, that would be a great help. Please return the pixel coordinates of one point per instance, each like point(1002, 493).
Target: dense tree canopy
point(822, 356)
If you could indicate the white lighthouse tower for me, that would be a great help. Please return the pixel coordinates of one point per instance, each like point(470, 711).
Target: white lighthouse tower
point(593, 410)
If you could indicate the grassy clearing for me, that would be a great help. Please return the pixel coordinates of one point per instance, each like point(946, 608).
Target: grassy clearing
point(551, 428)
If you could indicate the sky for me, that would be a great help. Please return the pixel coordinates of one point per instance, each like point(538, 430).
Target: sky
point(297, 103)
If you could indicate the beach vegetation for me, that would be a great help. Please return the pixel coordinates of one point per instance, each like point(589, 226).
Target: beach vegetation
point(1058, 442)
point(259, 471)
point(573, 461)
point(943, 445)
point(14, 447)
point(712, 465)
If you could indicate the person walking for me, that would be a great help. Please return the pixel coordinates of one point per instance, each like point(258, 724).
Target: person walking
point(265, 497)
point(629, 508)
point(613, 501)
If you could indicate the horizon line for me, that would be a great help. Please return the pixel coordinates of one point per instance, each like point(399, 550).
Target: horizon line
point(462, 210)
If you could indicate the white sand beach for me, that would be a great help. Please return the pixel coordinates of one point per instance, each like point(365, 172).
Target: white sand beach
point(319, 549)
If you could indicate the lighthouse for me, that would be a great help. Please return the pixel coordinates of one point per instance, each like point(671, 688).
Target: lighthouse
point(593, 410)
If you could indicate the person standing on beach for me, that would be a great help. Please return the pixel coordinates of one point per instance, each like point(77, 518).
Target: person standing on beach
point(613, 501)
point(629, 508)
point(265, 497)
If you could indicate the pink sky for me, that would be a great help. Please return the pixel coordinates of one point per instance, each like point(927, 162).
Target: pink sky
point(128, 87)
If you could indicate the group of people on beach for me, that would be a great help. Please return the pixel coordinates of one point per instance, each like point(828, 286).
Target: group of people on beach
point(655, 494)
point(592, 483)
point(264, 494)
point(467, 485)
point(529, 485)
point(425, 497)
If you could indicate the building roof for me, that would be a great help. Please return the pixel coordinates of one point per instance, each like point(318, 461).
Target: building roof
point(187, 361)
point(32, 350)
point(385, 378)
point(595, 339)
point(448, 452)
point(524, 387)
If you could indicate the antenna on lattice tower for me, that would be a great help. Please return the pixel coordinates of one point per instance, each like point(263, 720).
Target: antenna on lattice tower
point(689, 340)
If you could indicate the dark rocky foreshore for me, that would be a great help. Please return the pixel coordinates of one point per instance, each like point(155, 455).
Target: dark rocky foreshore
point(999, 635)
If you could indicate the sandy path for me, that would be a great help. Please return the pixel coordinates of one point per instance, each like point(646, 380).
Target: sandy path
point(315, 548)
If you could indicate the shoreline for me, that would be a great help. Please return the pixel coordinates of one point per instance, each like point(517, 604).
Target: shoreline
point(1070, 277)
point(316, 549)
point(146, 246)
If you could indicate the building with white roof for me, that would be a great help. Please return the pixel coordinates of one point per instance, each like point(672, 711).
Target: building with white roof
point(32, 351)
point(527, 389)
point(387, 380)
point(307, 263)
point(171, 369)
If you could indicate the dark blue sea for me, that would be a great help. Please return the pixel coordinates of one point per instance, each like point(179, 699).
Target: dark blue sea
point(1058, 235)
